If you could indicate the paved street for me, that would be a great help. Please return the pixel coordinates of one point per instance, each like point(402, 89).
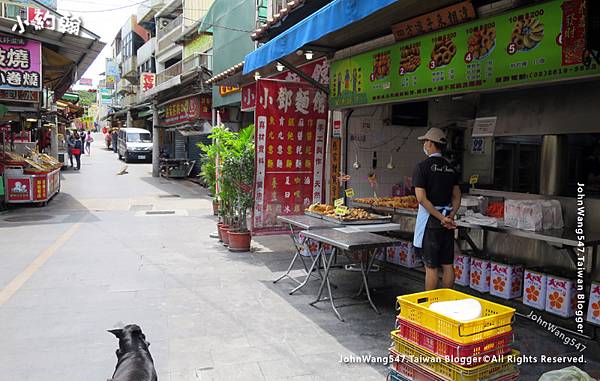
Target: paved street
point(93, 260)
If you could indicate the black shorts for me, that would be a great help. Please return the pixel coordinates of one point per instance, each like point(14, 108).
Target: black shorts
point(438, 247)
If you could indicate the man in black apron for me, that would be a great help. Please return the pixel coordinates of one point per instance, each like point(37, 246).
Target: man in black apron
point(436, 188)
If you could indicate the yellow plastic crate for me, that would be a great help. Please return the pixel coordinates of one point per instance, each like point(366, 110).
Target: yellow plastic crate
point(496, 319)
point(436, 364)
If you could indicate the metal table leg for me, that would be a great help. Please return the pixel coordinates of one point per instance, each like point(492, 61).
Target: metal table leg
point(315, 263)
point(365, 281)
point(327, 265)
point(370, 262)
point(297, 247)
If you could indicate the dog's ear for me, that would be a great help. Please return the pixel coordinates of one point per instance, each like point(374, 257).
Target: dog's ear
point(118, 332)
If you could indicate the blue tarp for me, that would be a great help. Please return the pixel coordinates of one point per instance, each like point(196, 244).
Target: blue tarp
point(334, 16)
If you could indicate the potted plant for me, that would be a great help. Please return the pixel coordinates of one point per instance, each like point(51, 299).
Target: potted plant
point(238, 178)
point(222, 140)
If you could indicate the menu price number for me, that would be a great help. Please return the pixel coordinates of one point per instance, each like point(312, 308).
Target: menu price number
point(512, 48)
point(341, 210)
point(432, 65)
point(468, 57)
point(402, 70)
point(474, 180)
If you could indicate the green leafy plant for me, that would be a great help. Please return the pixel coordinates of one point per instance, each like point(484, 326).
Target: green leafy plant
point(235, 153)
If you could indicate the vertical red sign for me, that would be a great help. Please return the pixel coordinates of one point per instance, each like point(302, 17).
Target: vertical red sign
point(291, 124)
point(573, 32)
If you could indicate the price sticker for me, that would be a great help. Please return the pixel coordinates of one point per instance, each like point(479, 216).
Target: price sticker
point(350, 192)
point(338, 202)
point(474, 179)
point(341, 210)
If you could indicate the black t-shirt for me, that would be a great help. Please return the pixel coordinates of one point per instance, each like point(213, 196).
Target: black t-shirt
point(437, 176)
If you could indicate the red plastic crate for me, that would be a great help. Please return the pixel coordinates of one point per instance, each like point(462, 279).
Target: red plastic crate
point(468, 355)
point(405, 374)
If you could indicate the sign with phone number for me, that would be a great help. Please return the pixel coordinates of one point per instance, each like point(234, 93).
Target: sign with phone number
point(520, 47)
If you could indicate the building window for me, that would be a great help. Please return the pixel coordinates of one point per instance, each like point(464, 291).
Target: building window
point(11, 11)
point(278, 5)
point(128, 46)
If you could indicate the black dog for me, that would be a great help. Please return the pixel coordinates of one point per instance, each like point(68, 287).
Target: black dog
point(134, 360)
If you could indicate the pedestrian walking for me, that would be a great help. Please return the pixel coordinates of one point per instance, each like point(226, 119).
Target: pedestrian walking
point(437, 188)
point(88, 143)
point(76, 150)
point(70, 146)
point(82, 137)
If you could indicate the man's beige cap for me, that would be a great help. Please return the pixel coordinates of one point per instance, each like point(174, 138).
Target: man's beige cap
point(435, 135)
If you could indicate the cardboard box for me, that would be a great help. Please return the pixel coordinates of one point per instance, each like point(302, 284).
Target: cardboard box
point(311, 247)
point(506, 280)
point(534, 289)
point(560, 296)
point(462, 269)
point(392, 255)
point(404, 254)
point(593, 313)
point(480, 274)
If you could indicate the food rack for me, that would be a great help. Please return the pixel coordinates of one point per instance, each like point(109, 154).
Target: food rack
point(30, 186)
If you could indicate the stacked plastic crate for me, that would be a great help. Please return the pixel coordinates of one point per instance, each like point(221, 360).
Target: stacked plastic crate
point(430, 346)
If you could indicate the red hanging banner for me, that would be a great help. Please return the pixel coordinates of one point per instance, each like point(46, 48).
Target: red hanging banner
point(291, 126)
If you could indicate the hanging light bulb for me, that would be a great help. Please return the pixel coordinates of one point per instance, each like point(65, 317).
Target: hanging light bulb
point(391, 165)
point(256, 76)
point(279, 66)
point(356, 164)
point(308, 54)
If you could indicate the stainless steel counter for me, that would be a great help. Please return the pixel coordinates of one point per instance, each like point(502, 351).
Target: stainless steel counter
point(350, 239)
point(566, 236)
point(307, 222)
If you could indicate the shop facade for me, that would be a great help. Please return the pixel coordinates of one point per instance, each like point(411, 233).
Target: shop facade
point(513, 89)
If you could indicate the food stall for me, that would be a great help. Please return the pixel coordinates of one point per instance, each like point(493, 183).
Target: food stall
point(32, 179)
point(516, 100)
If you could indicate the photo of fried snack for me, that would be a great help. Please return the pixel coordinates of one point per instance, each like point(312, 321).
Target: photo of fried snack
point(527, 33)
point(381, 65)
point(410, 59)
point(443, 52)
point(482, 41)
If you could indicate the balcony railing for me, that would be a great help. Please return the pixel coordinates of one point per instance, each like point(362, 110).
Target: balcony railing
point(145, 51)
point(176, 23)
point(168, 73)
point(196, 60)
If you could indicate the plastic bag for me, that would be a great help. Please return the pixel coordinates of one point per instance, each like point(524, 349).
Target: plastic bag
point(571, 373)
point(530, 216)
point(511, 213)
point(552, 211)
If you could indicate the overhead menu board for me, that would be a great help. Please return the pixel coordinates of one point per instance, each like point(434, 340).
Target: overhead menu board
point(520, 47)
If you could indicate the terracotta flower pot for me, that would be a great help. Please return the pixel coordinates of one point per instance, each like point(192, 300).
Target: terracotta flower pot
point(221, 232)
point(219, 225)
point(225, 234)
point(239, 241)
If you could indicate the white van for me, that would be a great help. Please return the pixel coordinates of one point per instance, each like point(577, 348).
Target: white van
point(134, 144)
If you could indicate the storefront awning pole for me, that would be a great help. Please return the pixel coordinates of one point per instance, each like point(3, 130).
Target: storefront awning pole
point(305, 77)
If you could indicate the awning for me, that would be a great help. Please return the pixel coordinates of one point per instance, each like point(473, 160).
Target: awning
point(335, 15)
